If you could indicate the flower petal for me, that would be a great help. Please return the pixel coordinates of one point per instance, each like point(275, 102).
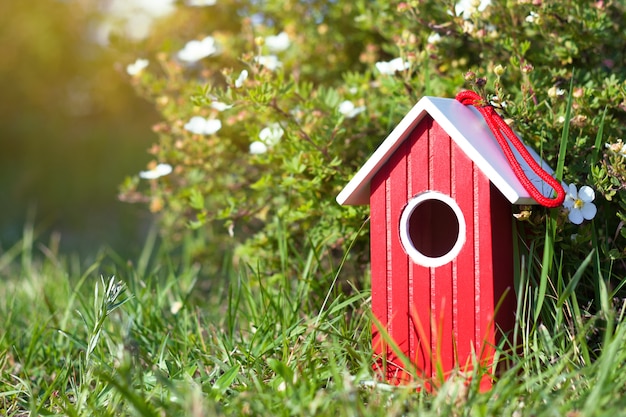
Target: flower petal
point(195, 50)
point(159, 171)
point(219, 106)
point(278, 43)
point(568, 203)
point(163, 169)
point(243, 76)
point(211, 126)
point(196, 125)
point(575, 216)
point(589, 211)
point(200, 3)
point(271, 134)
point(345, 107)
point(356, 111)
point(136, 67)
point(257, 148)
point(586, 194)
point(383, 67)
point(271, 62)
point(573, 192)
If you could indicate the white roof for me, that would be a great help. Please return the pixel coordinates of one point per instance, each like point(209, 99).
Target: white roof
point(468, 129)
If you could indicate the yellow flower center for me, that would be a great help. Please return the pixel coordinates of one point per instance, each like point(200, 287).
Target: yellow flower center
point(579, 203)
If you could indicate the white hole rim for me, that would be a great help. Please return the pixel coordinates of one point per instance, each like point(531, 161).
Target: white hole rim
point(418, 257)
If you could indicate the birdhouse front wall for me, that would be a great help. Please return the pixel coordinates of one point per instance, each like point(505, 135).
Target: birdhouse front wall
point(438, 316)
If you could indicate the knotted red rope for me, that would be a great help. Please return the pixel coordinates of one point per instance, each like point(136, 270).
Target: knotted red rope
point(498, 126)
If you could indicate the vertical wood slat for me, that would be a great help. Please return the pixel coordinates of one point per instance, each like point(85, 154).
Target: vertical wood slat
point(398, 262)
point(464, 278)
point(455, 267)
point(378, 250)
point(477, 178)
point(484, 325)
point(441, 277)
point(410, 167)
point(502, 259)
point(496, 272)
point(421, 352)
point(392, 364)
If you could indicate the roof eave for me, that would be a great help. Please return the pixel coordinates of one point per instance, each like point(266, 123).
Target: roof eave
point(449, 114)
point(356, 192)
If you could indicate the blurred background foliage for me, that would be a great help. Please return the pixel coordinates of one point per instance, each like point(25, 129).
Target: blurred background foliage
point(71, 128)
point(254, 196)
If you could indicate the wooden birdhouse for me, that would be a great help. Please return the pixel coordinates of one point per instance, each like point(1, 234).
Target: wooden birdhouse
point(440, 192)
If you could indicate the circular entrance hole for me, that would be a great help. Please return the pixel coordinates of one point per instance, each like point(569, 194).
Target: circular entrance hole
point(432, 229)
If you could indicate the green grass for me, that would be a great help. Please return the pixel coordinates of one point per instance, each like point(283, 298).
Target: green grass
point(156, 337)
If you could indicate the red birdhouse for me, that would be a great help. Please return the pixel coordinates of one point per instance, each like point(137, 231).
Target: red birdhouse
point(440, 191)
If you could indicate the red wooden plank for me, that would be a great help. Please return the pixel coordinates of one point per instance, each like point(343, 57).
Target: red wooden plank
point(398, 261)
point(478, 177)
point(411, 353)
point(496, 271)
point(484, 328)
point(420, 334)
point(378, 260)
point(464, 276)
point(502, 255)
point(441, 283)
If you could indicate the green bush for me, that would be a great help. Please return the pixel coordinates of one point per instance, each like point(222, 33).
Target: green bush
point(326, 82)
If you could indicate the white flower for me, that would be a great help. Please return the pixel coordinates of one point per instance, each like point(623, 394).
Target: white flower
point(159, 171)
point(579, 204)
point(132, 18)
point(176, 306)
point(434, 38)
point(556, 92)
point(201, 126)
point(268, 137)
point(533, 17)
point(200, 3)
point(136, 67)
point(219, 106)
point(278, 43)
point(495, 102)
point(348, 109)
point(297, 113)
point(618, 147)
point(242, 77)
point(468, 27)
point(271, 134)
point(467, 7)
point(257, 148)
point(390, 68)
point(270, 62)
point(196, 50)
point(155, 8)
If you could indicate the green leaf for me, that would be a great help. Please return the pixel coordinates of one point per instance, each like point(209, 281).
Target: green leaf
point(569, 290)
point(224, 382)
point(196, 199)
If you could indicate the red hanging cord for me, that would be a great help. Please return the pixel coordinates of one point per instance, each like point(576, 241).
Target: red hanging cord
point(498, 126)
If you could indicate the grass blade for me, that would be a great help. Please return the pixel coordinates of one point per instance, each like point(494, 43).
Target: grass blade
point(551, 222)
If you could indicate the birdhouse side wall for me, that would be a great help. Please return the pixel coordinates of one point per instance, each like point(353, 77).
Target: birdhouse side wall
point(436, 315)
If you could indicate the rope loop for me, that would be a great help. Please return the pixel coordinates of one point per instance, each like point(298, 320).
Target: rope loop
point(502, 131)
